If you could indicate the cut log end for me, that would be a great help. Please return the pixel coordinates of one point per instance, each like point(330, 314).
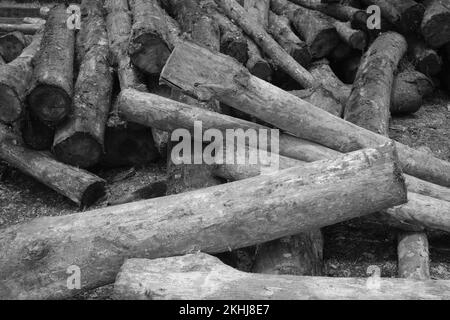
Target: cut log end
point(51, 104)
point(80, 150)
point(94, 192)
point(261, 69)
point(147, 48)
point(9, 104)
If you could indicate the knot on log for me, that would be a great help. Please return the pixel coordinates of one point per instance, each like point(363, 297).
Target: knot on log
point(35, 251)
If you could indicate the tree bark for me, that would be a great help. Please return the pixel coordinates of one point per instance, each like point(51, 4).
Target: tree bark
point(118, 26)
point(427, 189)
point(408, 90)
point(406, 15)
point(226, 80)
point(413, 256)
point(12, 45)
point(34, 256)
point(149, 43)
point(203, 277)
point(313, 26)
point(153, 190)
point(322, 98)
point(80, 140)
point(369, 103)
point(15, 79)
point(425, 60)
point(50, 97)
point(435, 26)
point(25, 28)
point(281, 31)
point(270, 47)
point(80, 186)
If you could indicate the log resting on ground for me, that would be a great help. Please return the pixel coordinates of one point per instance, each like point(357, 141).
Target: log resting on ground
point(15, 79)
point(78, 185)
point(50, 97)
point(413, 256)
point(228, 81)
point(34, 256)
point(203, 277)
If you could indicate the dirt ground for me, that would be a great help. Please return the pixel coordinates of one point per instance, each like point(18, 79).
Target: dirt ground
point(350, 248)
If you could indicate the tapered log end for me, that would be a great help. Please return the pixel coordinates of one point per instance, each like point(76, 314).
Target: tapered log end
point(79, 150)
point(325, 41)
point(51, 104)
point(149, 53)
point(10, 105)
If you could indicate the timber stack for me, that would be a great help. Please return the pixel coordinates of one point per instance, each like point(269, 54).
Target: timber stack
point(105, 85)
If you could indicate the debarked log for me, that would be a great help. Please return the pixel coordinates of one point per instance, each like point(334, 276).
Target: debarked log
point(34, 256)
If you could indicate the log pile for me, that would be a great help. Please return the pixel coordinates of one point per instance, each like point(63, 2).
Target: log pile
point(317, 81)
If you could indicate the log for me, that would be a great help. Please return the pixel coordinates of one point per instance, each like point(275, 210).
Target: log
point(313, 26)
point(281, 31)
point(427, 189)
point(2, 62)
point(406, 15)
point(270, 47)
point(369, 103)
point(50, 97)
point(80, 186)
point(226, 80)
point(212, 220)
point(322, 98)
point(12, 45)
point(80, 140)
point(413, 256)
point(425, 59)
point(36, 134)
point(435, 26)
point(149, 43)
point(118, 26)
point(409, 89)
point(153, 190)
point(354, 38)
point(342, 12)
point(15, 79)
point(25, 28)
point(203, 277)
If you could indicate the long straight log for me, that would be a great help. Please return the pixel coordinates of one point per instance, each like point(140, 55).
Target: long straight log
point(80, 140)
point(313, 26)
point(34, 256)
point(149, 47)
point(25, 28)
point(50, 97)
point(270, 47)
point(281, 31)
point(15, 79)
point(224, 79)
point(12, 45)
point(435, 25)
point(369, 103)
point(203, 277)
point(78, 185)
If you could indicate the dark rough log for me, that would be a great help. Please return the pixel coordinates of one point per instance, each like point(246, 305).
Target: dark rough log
point(322, 98)
point(369, 103)
point(203, 277)
point(270, 47)
point(426, 60)
point(226, 80)
point(78, 185)
point(435, 26)
point(12, 45)
point(408, 90)
point(313, 26)
point(51, 95)
point(413, 256)
point(79, 141)
point(36, 134)
point(118, 26)
point(357, 17)
point(406, 15)
point(34, 256)
point(25, 28)
point(149, 43)
point(15, 79)
point(340, 53)
point(354, 38)
point(281, 31)
point(153, 190)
